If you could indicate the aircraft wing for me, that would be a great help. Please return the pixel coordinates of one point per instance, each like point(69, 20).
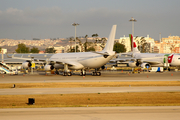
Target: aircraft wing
point(150, 60)
point(105, 53)
point(125, 54)
point(30, 59)
point(121, 60)
point(67, 62)
point(72, 64)
point(153, 62)
point(5, 60)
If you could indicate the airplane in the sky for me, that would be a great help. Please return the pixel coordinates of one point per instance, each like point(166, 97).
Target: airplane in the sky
point(80, 60)
point(147, 60)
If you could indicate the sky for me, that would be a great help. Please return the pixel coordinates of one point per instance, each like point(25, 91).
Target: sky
point(27, 19)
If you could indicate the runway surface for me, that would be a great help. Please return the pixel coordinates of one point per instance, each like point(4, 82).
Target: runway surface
point(92, 113)
point(105, 77)
point(27, 91)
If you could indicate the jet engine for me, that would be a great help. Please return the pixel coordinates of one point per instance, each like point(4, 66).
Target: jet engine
point(103, 67)
point(132, 64)
point(145, 65)
point(48, 67)
point(26, 64)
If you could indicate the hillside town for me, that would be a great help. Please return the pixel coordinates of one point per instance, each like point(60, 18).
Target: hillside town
point(171, 44)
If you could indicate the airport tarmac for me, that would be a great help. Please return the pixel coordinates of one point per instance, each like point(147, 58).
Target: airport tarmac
point(29, 91)
point(93, 113)
point(106, 76)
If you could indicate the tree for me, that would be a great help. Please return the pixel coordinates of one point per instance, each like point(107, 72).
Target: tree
point(172, 48)
point(103, 41)
point(71, 39)
point(50, 50)
point(73, 49)
point(91, 49)
point(0, 49)
point(145, 47)
point(22, 48)
point(85, 44)
point(118, 47)
point(80, 44)
point(34, 50)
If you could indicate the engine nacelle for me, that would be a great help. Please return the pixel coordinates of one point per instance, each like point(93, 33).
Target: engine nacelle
point(58, 66)
point(103, 67)
point(145, 65)
point(26, 64)
point(48, 67)
point(132, 64)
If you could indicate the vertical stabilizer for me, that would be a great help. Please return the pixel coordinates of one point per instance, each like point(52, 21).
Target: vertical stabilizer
point(134, 48)
point(131, 41)
point(170, 57)
point(110, 43)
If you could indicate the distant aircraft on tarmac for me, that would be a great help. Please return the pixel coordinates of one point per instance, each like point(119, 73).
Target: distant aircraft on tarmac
point(147, 60)
point(80, 60)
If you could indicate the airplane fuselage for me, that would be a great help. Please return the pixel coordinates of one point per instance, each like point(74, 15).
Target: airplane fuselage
point(161, 58)
point(86, 59)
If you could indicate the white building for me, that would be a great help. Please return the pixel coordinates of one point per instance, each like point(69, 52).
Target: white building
point(126, 41)
point(3, 50)
point(59, 49)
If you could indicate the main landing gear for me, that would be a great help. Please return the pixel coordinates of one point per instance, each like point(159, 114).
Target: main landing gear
point(57, 72)
point(83, 73)
point(96, 73)
point(66, 71)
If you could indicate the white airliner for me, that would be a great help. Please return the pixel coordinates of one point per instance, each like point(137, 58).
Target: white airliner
point(147, 60)
point(80, 60)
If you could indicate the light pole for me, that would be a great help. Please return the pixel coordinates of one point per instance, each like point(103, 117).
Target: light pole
point(133, 20)
point(75, 24)
point(2, 56)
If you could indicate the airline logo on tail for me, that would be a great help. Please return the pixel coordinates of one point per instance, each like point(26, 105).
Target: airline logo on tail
point(135, 49)
point(133, 44)
point(170, 57)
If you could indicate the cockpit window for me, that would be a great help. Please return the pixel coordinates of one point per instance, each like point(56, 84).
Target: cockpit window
point(179, 58)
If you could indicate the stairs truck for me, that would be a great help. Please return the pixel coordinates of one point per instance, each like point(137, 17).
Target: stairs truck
point(5, 69)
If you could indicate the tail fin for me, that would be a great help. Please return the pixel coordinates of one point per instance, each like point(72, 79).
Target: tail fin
point(170, 57)
point(131, 41)
point(110, 43)
point(135, 49)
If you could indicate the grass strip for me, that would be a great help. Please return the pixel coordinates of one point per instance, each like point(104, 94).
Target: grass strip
point(92, 100)
point(89, 84)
